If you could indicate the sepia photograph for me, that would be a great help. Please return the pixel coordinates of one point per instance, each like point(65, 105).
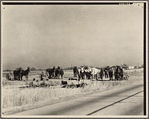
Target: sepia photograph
point(74, 59)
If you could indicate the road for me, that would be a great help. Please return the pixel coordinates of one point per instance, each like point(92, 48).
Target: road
point(123, 100)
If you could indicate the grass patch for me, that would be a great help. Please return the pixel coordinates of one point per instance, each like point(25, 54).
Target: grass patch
point(26, 98)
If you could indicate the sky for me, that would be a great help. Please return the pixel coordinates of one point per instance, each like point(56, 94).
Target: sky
point(43, 36)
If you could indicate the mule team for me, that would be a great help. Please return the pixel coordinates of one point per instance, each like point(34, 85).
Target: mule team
point(84, 72)
point(19, 73)
point(51, 73)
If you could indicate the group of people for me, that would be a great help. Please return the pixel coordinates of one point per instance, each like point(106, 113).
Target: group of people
point(115, 72)
point(85, 72)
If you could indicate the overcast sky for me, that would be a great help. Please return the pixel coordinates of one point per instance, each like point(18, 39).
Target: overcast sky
point(65, 35)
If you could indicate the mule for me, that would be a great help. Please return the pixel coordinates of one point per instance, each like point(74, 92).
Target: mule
point(51, 72)
point(17, 73)
point(59, 73)
point(25, 73)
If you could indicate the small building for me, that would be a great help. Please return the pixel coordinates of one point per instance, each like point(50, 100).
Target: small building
point(125, 66)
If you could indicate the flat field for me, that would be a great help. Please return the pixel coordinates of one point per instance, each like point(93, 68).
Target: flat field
point(16, 97)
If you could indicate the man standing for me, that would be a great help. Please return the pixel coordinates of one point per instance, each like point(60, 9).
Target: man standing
point(111, 73)
point(101, 73)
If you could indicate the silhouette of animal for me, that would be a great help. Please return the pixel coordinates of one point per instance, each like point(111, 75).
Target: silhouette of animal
point(25, 73)
point(51, 72)
point(59, 73)
point(17, 73)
